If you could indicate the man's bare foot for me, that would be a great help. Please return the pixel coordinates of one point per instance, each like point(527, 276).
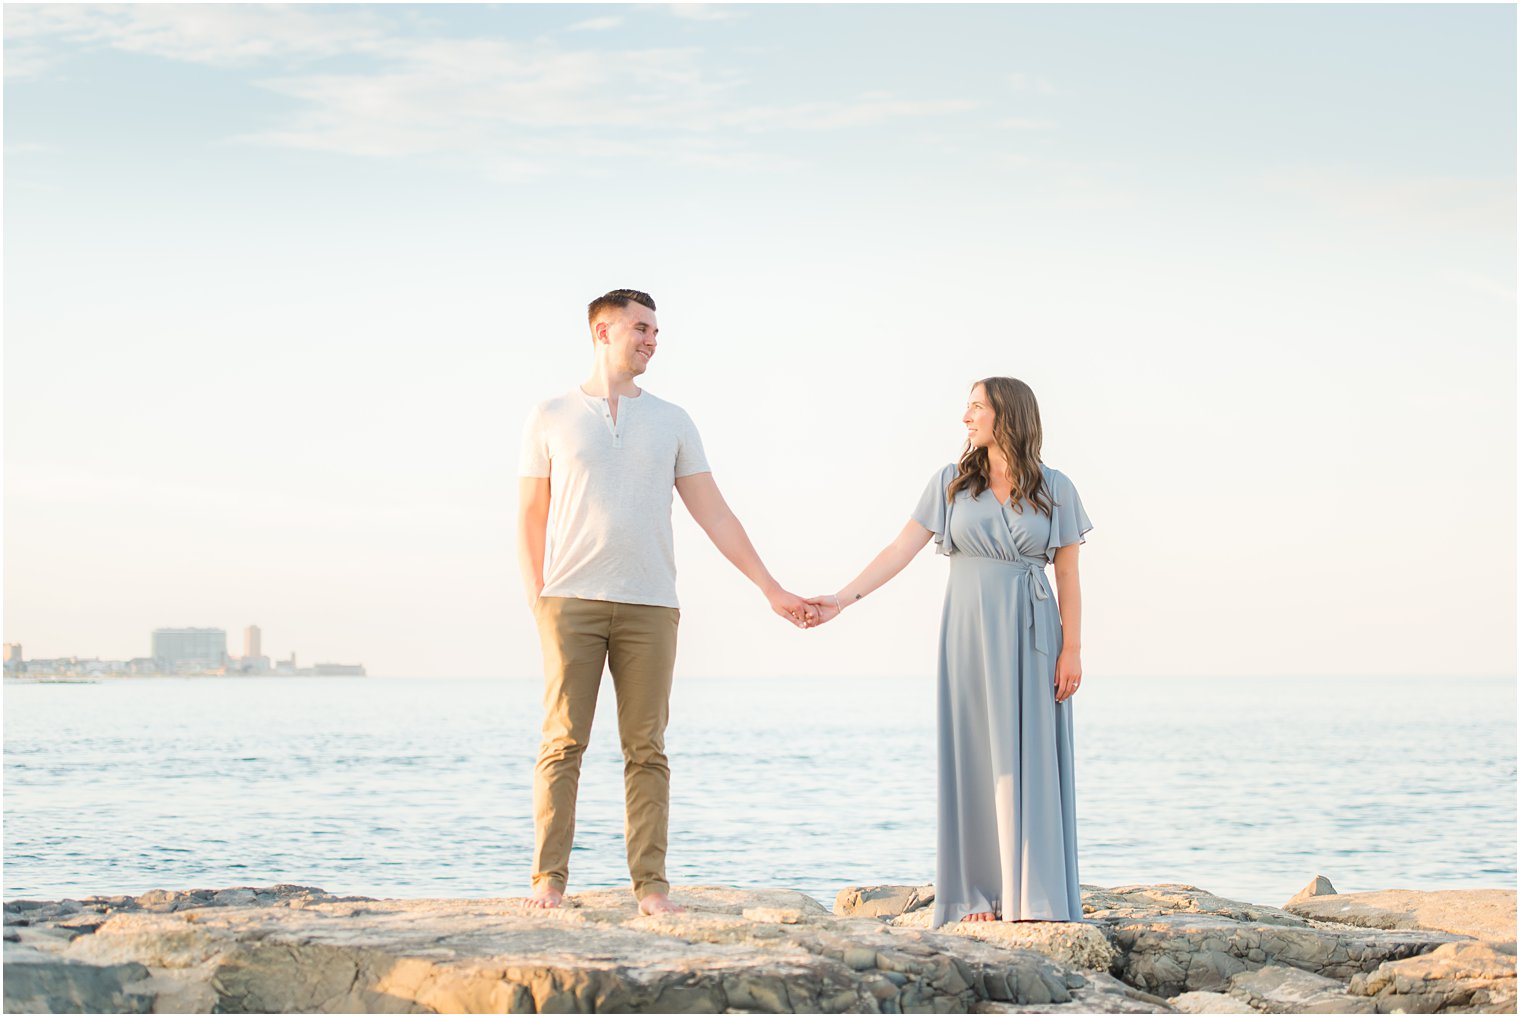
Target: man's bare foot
point(980, 916)
point(546, 897)
point(658, 904)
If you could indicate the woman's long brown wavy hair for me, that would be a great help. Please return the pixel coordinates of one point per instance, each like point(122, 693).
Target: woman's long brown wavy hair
point(1016, 429)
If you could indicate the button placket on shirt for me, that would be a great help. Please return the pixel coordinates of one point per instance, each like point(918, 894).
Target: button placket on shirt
point(614, 426)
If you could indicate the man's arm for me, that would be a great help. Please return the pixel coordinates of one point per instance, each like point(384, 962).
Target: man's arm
point(532, 533)
point(705, 503)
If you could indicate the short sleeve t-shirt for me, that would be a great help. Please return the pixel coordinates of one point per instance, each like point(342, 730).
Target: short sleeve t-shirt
point(611, 492)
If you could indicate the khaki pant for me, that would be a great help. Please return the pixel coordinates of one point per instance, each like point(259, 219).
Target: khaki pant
point(580, 638)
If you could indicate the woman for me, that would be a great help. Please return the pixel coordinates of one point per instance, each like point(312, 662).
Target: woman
point(1009, 663)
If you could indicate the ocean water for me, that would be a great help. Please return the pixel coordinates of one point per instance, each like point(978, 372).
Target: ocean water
point(422, 788)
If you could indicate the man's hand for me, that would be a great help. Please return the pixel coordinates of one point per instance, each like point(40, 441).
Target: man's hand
point(793, 608)
point(532, 531)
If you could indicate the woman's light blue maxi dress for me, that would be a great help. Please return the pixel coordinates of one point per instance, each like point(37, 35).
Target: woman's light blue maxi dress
point(1007, 791)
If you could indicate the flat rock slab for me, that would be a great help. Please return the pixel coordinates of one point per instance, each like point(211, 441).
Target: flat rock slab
point(1482, 914)
point(297, 949)
point(1073, 944)
point(1178, 952)
point(1276, 989)
point(1209, 1002)
point(1178, 898)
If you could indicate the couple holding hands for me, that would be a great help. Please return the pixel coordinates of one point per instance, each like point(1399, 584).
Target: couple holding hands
point(597, 470)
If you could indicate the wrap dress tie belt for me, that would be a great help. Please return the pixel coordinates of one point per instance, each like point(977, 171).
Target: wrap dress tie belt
point(1039, 589)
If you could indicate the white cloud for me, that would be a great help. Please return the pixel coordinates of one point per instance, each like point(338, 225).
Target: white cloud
point(596, 24)
point(26, 59)
point(517, 107)
point(706, 12)
point(217, 34)
point(524, 107)
point(480, 94)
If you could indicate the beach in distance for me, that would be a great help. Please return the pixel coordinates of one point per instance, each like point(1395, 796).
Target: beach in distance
point(395, 787)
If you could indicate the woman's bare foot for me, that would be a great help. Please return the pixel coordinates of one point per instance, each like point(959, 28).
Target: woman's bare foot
point(980, 916)
point(546, 897)
point(658, 904)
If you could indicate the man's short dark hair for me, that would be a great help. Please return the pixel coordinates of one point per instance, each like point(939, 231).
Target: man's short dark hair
point(617, 299)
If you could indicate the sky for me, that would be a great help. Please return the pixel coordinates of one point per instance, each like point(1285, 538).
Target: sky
point(282, 283)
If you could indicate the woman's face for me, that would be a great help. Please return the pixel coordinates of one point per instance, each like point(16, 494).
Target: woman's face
point(979, 418)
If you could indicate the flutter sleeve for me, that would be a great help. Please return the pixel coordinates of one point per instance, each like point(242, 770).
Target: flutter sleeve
point(933, 512)
point(1068, 521)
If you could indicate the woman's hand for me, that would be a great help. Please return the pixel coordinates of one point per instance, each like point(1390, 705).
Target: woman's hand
point(827, 606)
point(1068, 674)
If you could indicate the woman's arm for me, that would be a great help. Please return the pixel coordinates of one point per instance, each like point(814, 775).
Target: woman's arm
point(1069, 597)
point(892, 560)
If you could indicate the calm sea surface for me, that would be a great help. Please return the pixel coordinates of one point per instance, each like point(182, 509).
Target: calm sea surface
point(417, 788)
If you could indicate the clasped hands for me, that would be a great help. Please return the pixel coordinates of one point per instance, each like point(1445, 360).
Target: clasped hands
point(805, 612)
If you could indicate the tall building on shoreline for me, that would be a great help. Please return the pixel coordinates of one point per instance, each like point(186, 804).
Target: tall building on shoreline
point(253, 660)
point(182, 650)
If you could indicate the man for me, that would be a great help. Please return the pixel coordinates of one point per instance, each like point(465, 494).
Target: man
point(598, 463)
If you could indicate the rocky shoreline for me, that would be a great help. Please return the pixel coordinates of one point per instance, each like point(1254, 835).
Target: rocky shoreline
point(1142, 949)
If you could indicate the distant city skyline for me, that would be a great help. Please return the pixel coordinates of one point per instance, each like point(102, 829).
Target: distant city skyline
point(175, 651)
point(282, 284)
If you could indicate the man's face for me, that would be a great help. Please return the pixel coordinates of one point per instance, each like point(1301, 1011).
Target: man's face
point(630, 338)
